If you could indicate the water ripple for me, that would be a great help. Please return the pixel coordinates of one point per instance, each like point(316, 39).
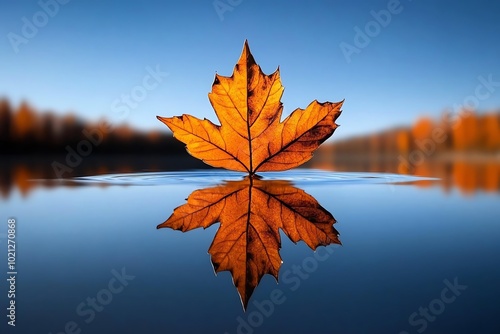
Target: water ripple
point(207, 177)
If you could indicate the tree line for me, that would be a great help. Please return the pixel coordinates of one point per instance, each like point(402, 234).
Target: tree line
point(465, 132)
point(23, 130)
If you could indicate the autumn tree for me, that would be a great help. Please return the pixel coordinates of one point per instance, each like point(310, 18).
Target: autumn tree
point(491, 131)
point(5, 123)
point(23, 124)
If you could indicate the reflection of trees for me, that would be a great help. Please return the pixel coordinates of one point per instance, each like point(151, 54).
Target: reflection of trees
point(463, 150)
point(466, 175)
point(251, 212)
point(24, 174)
point(24, 132)
point(28, 139)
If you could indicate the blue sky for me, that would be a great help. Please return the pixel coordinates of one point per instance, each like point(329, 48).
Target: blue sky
point(427, 57)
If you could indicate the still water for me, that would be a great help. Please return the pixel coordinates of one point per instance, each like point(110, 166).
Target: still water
point(107, 254)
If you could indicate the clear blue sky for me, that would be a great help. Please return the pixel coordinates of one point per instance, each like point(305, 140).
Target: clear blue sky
point(427, 58)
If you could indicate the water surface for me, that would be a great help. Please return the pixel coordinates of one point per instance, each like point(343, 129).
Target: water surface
point(413, 259)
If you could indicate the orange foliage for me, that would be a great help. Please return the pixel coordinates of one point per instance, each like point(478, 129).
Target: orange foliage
point(124, 132)
point(403, 141)
point(466, 131)
point(24, 121)
point(491, 131)
point(422, 128)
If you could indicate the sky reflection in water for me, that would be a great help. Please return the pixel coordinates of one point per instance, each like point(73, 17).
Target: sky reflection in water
point(402, 245)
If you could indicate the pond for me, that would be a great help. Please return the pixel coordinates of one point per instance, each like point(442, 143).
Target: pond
point(302, 251)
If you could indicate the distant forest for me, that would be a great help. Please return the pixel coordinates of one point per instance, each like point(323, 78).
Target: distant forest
point(27, 131)
point(464, 132)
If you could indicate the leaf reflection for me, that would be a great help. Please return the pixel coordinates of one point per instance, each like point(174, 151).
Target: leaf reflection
point(251, 212)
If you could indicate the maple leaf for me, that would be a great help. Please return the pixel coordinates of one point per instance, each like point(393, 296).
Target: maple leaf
point(251, 136)
point(251, 212)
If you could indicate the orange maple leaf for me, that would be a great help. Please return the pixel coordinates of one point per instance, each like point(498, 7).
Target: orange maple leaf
point(251, 212)
point(251, 137)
